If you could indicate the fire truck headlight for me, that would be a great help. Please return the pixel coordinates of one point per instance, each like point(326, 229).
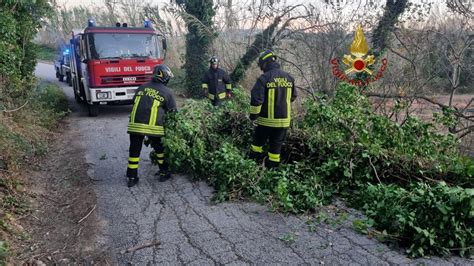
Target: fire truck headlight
point(103, 95)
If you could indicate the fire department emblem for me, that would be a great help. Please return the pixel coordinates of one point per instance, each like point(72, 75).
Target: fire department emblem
point(358, 62)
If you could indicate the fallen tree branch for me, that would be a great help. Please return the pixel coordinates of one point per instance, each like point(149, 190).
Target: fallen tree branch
point(375, 170)
point(87, 215)
point(16, 109)
point(353, 133)
point(142, 246)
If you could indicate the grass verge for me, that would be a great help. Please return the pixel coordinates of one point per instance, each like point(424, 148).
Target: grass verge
point(24, 134)
point(46, 53)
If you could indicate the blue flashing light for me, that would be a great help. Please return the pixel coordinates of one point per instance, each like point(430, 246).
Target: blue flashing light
point(91, 22)
point(147, 23)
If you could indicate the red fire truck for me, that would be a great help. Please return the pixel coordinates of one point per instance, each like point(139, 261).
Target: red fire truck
point(109, 63)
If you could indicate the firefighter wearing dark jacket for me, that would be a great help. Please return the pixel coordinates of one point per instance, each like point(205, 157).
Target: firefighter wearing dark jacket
point(151, 102)
point(216, 83)
point(270, 106)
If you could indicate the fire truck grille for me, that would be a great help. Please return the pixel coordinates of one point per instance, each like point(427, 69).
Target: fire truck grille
point(125, 80)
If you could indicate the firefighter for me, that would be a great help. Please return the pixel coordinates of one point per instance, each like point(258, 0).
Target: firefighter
point(270, 108)
point(216, 83)
point(151, 102)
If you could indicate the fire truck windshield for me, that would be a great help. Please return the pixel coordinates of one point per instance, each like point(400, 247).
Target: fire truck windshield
point(123, 45)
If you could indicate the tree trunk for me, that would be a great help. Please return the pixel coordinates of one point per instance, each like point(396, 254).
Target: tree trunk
point(454, 82)
point(229, 15)
point(393, 10)
point(262, 41)
point(198, 41)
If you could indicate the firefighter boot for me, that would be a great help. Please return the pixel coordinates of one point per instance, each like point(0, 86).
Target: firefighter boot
point(164, 176)
point(164, 173)
point(132, 175)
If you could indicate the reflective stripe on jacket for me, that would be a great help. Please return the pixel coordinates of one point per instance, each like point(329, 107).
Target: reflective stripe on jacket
point(217, 82)
point(150, 104)
point(271, 97)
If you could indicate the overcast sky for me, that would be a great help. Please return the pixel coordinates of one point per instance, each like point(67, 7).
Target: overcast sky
point(100, 2)
point(349, 6)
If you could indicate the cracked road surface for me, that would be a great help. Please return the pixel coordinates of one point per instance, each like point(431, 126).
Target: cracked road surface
point(190, 228)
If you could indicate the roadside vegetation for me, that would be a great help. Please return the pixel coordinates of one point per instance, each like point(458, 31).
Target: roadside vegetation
point(411, 181)
point(29, 112)
point(46, 52)
point(391, 149)
point(24, 138)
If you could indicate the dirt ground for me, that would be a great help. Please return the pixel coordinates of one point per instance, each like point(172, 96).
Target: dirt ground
point(62, 223)
point(459, 101)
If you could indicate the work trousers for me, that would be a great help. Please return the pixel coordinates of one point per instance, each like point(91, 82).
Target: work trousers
point(157, 156)
point(275, 137)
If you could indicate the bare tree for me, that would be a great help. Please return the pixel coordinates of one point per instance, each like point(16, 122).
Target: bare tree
point(461, 7)
point(111, 6)
point(429, 61)
point(131, 9)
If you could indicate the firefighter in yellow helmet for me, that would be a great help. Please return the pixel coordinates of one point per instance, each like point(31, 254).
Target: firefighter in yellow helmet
point(151, 102)
point(216, 83)
point(270, 106)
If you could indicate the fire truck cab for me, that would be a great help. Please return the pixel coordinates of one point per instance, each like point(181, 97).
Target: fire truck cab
point(109, 63)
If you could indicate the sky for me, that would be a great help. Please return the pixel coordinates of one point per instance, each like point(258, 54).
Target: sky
point(349, 6)
point(100, 2)
point(354, 3)
point(89, 2)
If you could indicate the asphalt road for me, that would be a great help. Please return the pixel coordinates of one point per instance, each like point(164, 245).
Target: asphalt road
point(190, 228)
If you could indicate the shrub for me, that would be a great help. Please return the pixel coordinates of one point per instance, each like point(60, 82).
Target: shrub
point(3, 252)
point(46, 53)
point(337, 146)
point(428, 219)
point(24, 132)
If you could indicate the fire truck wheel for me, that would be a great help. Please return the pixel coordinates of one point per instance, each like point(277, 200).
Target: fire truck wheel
point(93, 109)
